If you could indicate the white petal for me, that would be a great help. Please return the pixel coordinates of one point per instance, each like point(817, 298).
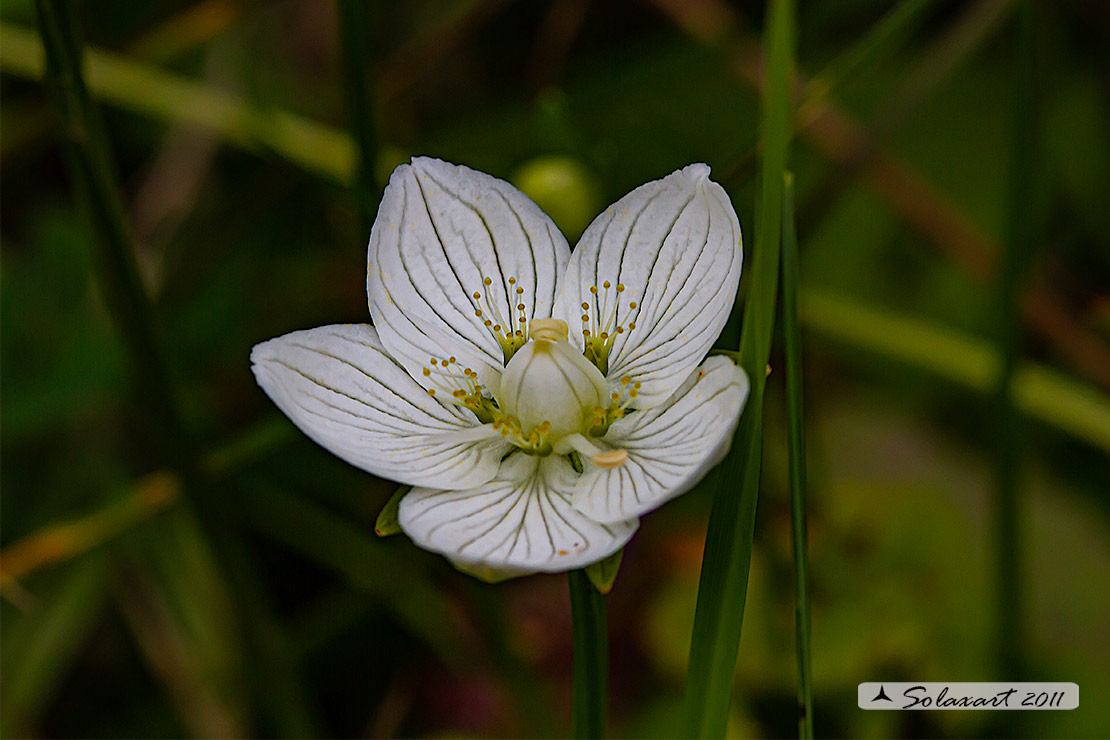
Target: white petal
point(675, 245)
point(521, 520)
point(441, 229)
point(338, 385)
point(670, 447)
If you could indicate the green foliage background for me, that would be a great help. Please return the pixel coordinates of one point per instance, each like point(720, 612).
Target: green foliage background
point(249, 595)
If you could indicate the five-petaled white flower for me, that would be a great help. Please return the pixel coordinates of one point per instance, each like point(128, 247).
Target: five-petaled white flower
point(530, 446)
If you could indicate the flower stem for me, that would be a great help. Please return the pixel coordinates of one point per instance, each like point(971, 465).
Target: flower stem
point(797, 449)
point(590, 689)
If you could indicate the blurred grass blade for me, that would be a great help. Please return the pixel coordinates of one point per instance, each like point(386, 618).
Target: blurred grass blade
point(314, 147)
point(366, 562)
point(94, 183)
point(1039, 392)
point(180, 610)
point(59, 542)
point(724, 575)
point(1008, 435)
point(39, 646)
point(881, 39)
point(590, 681)
point(795, 428)
point(354, 35)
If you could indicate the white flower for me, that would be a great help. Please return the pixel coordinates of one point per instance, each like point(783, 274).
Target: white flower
point(538, 401)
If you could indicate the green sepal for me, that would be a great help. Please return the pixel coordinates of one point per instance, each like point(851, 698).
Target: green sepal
point(604, 572)
point(388, 522)
point(488, 573)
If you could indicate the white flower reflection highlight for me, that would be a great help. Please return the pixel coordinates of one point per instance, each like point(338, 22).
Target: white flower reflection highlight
point(538, 401)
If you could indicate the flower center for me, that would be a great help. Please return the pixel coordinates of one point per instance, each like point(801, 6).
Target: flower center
point(550, 386)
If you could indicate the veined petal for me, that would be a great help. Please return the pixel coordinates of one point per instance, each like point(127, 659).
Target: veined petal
point(441, 231)
point(338, 385)
point(670, 447)
point(521, 520)
point(675, 246)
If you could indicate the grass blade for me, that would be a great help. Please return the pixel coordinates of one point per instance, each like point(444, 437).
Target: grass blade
point(354, 34)
point(364, 560)
point(115, 80)
point(887, 34)
point(795, 420)
point(1039, 392)
point(724, 575)
point(39, 646)
point(94, 182)
point(590, 682)
point(1017, 251)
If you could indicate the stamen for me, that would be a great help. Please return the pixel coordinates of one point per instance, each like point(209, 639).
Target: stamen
point(510, 330)
point(605, 459)
point(465, 391)
point(599, 337)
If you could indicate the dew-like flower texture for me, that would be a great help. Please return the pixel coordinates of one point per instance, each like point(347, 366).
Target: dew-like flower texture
point(539, 401)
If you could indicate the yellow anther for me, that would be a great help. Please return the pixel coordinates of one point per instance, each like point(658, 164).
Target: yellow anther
point(606, 285)
point(487, 282)
point(593, 289)
point(512, 281)
point(585, 306)
point(477, 296)
point(626, 380)
point(620, 287)
point(520, 307)
point(451, 360)
point(432, 392)
point(632, 305)
point(427, 372)
point(519, 290)
point(434, 362)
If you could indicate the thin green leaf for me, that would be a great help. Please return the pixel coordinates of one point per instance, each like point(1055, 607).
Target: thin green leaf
point(39, 646)
point(590, 681)
point(367, 563)
point(94, 183)
point(116, 80)
point(604, 572)
point(724, 576)
point(1017, 251)
point(389, 522)
point(1040, 392)
point(354, 35)
point(795, 426)
point(880, 40)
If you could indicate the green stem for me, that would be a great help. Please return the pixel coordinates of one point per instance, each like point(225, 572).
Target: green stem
point(94, 183)
point(722, 588)
point(354, 32)
point(797, 451)
point(1018, 246)
point(590, 689)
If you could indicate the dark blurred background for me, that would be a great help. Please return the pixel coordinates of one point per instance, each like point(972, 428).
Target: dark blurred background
point(251, 597)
